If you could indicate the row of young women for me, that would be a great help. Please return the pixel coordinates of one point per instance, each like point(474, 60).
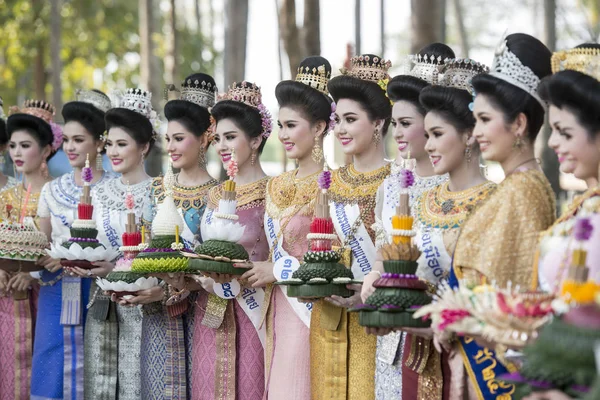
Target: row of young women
point(160, 344)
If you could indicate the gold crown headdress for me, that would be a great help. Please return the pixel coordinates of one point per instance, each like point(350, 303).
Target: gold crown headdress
point(97, 99)
point(458, 73)
point(427, 67)
point(368, 68)
point(38, 108)
point(584, 60)
point(249, 94)
point(509, 68)
point(315, 77)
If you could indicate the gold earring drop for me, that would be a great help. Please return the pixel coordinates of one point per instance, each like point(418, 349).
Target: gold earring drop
point(317, 151)
point(376, 137)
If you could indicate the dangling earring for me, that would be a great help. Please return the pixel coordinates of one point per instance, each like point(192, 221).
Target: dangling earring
point(143, 159)
point(468, 154)
point(376, 137)
point(44, 169)
point(99, 166)
point(518, 144)
point(317, 151)
point(253, 158)
point(202, 159)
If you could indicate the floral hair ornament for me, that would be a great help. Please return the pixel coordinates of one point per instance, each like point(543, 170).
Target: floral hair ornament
point(249, 94)
point(211, 130)
point(332, 123)
point(383, 83)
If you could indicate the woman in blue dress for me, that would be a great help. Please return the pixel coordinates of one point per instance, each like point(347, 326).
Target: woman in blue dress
point(57, 370)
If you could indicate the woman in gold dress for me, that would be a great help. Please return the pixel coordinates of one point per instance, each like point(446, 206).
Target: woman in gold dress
point(498, 241)
point(33, 139)
point(342, 355)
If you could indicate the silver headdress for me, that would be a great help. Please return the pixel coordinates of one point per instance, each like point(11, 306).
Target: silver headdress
point(459, 72)
point(97, 99)
point(427, 67)
point(198, 92)
point(509, 68)
point(140, 101)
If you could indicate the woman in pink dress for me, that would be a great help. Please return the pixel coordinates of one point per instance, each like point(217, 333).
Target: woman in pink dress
point(304, 114)
point(228, 346)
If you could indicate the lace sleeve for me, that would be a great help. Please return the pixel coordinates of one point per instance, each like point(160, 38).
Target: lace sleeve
point(380, 234)
point(43, 210)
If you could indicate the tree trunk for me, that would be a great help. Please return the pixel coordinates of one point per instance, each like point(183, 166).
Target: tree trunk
point(550, 164)
point(39, 71)
point(55, 51)
point(198, 17)
point(426, 23)
point(236, 32)
point(462, 32)
point(290, 35)
point(171, 73)
point(357, 28)
point(311, 31)
point(149, 75)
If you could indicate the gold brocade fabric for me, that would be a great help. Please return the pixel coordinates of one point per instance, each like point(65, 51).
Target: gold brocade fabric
point(443, 209)
point(342, 361)
point(186, 197)
point(499, 239)
point(246, 196)
point(342, 354)
point(14, 197)
point(288, 195)
point(348, 186)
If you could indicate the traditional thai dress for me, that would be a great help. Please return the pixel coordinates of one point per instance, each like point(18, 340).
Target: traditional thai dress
point(17, 317)
point(167, 331)
point(112, 337)
point(289, 210)
point(58, 348)
point(498, 243)
point(557, 244)
point(11, 182)
point(229, 336)
point(439, 215)
point(342, 354)
point(388, 371)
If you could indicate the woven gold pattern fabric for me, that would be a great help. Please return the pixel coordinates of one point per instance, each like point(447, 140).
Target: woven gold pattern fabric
point(498, 240)
point(288, 195)
point(246, 195)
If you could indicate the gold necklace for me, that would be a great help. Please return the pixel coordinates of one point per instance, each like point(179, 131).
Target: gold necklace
point(441, 208)
point(286, 190)
point(350, 186)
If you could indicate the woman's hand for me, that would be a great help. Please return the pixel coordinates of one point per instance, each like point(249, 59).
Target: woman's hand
point(367, 287)
point(146, 296)
point(220, 278)
point(101, 269)
point(49, 264)
point(426, 333)
point(20, 281)
point(260, 273)
point(347, 302)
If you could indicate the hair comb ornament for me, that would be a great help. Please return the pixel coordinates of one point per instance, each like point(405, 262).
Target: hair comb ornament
point(44, 111)
point(509, 68)
point(427, 67)
point(459, 72)
point(140, 101)
point(97, 99)
point(584, 60)
point(368, 68)
point(315, 77)
point(249, 94)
